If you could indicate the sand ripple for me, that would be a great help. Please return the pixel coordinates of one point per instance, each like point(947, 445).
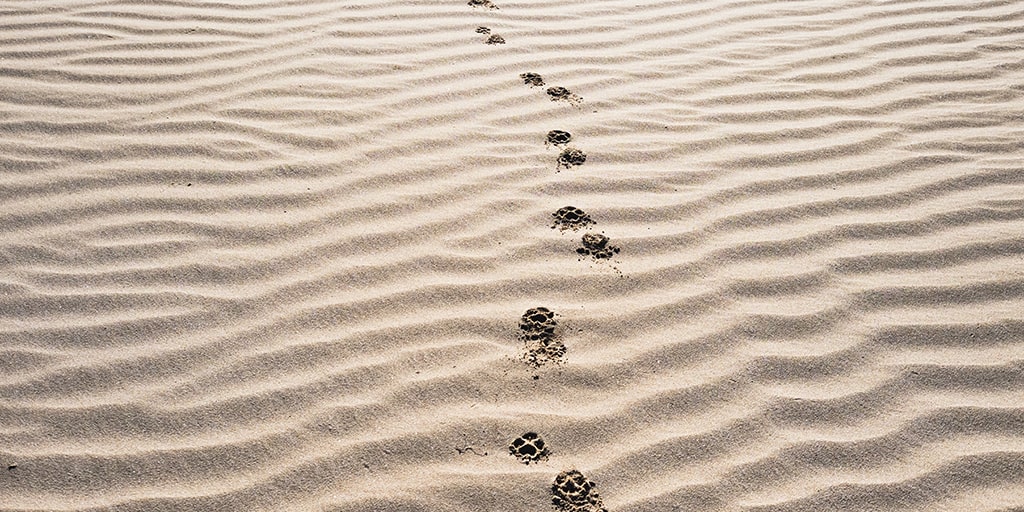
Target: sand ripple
point(272, 256)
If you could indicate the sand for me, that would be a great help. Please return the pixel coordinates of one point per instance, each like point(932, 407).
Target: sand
point(274, 255)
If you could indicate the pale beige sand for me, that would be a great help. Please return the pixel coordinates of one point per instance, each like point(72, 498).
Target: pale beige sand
point(272, 256)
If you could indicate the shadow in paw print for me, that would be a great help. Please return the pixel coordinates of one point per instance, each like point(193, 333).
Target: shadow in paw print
point(532, 79)
point(537, 330)
point(596, 245)
point(483, 30)
point(482, 3)
point(572, 492)
point(558, 138)
point(528, 448)
point(495, 39)
point(563, 94)
point(571, 157)
point(570, 217)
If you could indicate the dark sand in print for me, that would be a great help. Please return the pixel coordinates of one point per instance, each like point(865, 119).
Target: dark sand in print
point(573, 492)
point(559, 93)
point(558, 137)
point(532, 79)
point(571, 217)
point(529, 447)
point(542, 342)
point(483, 3)
point(571, 157)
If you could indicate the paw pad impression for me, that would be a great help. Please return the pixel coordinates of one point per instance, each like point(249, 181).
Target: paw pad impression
point(571, 157)
point(570, 217)
point(559, 93)
point(573, 492)
point(529, 447)
point(597, 245)
point(532, 79)
point(559, 137)
point(537, 330)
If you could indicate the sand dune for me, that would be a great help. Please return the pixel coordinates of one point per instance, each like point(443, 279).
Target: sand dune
point(273, 256)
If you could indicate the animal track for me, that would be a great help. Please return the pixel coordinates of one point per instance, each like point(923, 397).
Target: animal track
point(483, 30)
point(558, 137)
point(563, 94)
point(570, 217)
point(532, 79)
point(528, 448)
point(573, 492)
point(538, 323)
point(596, 245)
point(482, 3)
point(495, 39)
point(537, 330)
point(571, 157)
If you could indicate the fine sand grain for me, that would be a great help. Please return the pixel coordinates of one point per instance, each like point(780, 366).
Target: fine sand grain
point(274, 256)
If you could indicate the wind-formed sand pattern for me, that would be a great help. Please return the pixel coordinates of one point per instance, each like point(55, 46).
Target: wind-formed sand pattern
point(272, 255)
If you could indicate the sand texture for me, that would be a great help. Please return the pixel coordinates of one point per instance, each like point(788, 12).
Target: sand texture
point(275, 255)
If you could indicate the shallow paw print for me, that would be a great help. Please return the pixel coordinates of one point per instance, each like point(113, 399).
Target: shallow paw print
point(532, 79)
point(598, 246)
point(482, 3)
point(483, 30)
point(558, 93)
point(570, 217)
point(573, 492)
point(495, 39)
point(571, 157)
point(558, 138)
point(529, 447)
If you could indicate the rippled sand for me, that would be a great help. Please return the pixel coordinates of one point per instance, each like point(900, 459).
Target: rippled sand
point(273, 256)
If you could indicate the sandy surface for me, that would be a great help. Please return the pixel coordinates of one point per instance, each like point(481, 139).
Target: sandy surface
point(273, 256)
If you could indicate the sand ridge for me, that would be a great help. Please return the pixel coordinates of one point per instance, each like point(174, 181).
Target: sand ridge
point(272, 256)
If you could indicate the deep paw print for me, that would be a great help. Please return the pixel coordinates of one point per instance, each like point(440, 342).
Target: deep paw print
point(570, 217)
point(597, 245)
point(528, 448)
point(558, 137)
point(563, 94)
point(571, 157)
point(532, 79)
point(573, 492)
point(495, 39)
point(482, 3)
point(537, 323)
point(537, 330)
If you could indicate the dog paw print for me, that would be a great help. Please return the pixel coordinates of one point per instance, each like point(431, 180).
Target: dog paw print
point(570, 217)
point(558, 138)
point(482, 3)
point(571, 157)
point(495, 39)
point(529, 447)
point(483, 30)
point(573, 492)
point(532, 79)
point(597, 245)
point(562, 94)
point(537, 330)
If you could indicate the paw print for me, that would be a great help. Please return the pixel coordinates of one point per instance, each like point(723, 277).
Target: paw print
point(528, 448)
point(570, 217)
point(572, 492)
